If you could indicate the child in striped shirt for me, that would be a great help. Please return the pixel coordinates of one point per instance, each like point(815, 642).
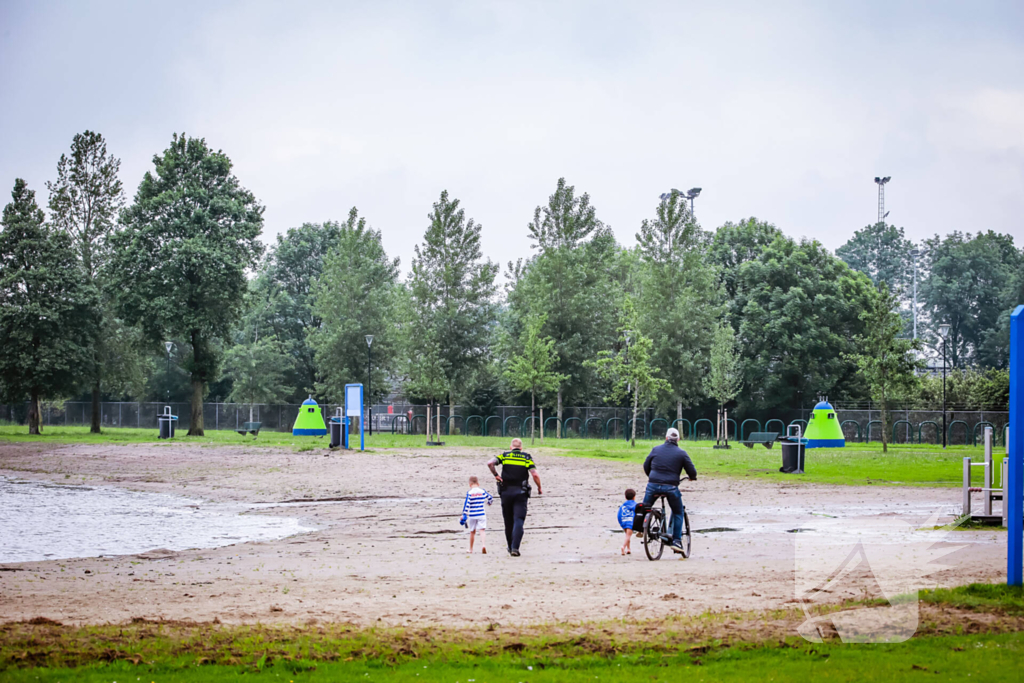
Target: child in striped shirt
point(474, 517)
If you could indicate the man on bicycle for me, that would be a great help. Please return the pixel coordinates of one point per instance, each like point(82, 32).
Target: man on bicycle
point(663, 467)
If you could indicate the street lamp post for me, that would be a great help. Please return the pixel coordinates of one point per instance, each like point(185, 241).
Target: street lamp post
point(369, 380)
point(915, 254)
point(944, 332)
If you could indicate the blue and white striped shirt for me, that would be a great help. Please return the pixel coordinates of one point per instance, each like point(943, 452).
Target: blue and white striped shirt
point(475, 499)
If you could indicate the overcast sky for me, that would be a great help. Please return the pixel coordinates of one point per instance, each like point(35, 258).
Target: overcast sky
point(784, 111)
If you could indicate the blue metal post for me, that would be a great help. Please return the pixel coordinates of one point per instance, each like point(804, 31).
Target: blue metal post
point(1015, 492)
point(354, 408)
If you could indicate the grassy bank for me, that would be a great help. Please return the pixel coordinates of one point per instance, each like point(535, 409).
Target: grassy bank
point(858, 463)
point(969, 630)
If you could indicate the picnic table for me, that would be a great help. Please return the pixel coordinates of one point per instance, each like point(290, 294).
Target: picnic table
point(250, 428)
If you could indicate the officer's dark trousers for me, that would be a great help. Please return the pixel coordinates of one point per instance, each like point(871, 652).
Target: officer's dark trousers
point(513, 510)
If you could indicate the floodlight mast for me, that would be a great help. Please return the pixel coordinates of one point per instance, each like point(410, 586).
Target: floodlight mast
point(881, 197)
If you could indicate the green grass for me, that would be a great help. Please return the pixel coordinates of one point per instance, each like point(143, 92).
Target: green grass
point(857, 464)
point(984, 657)
point(985, 597)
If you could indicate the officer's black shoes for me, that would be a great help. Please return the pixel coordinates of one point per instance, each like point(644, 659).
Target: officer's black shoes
point(514, 553)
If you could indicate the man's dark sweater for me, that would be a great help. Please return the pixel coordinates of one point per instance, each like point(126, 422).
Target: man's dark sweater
point(666, 462)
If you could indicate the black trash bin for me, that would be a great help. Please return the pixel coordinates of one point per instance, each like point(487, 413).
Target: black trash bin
point(167, 423)
point(792, 455)
point(339, 432)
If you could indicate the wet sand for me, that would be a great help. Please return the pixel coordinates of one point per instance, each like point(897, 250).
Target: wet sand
point(388, 548)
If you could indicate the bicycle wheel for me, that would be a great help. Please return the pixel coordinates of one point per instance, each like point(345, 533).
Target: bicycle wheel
point(653, 525)
point(686, 535)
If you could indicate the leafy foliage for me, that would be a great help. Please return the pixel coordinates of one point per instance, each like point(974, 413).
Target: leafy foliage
point(887, 362)
point(631, 369)
point(178, 265)
point(48, 316)
point(531, 369)
point(452, 295)
point(882, 252)
point(973, 284)
point(257, 371)
point(724, 381)
point(357, 294)
point(679, 297)
point(797, 312)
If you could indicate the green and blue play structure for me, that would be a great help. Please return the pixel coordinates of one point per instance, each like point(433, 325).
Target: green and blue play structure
point(309, 421)
point(823, 430)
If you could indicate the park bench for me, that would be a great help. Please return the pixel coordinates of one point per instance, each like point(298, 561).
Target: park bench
point(250, 428)
point(766, 438)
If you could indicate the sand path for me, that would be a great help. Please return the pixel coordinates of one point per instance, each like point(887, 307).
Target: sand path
point(388, 548)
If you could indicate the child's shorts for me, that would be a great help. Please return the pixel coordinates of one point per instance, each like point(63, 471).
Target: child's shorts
point(474, 523)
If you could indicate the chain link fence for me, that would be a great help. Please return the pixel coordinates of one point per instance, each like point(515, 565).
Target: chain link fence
point(906, 425)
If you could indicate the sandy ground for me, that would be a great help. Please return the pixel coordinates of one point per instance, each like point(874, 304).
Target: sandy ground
point(388, 548)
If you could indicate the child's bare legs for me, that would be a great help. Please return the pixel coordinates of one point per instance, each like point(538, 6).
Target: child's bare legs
point(625, 544)
point(472, 537)
point(483, 543)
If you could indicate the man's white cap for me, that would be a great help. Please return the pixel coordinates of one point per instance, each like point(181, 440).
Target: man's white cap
point(672, 434)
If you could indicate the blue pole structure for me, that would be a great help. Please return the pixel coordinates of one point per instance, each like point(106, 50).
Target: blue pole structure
point(1015, 485)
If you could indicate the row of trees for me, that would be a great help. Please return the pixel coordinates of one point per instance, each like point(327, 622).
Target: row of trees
point(172, 294)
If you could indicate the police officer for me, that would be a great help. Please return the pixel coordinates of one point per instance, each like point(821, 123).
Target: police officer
point(514, 489)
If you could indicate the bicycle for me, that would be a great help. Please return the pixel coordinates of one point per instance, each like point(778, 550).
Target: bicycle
point(656, 536)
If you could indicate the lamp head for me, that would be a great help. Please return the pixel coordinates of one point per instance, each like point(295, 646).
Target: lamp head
point(369, 340)
point(693, 193)
point(168, 345)
point(944, 330)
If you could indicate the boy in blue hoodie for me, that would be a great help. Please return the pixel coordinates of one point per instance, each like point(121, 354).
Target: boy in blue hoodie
point(626, 512)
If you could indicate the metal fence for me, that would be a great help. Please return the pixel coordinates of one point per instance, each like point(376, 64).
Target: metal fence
point(860, 424)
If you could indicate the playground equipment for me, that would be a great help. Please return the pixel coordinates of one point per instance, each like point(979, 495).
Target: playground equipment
point(987, 490)
point(167, 423)
point(309, 421)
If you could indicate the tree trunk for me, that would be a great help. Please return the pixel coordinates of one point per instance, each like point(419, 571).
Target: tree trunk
point(542, 424)
point(429, 406)
point(533, 417)
point(94, 426)
point(437, 431)
point(558, 424)
point(632, 438)
point(195, 425)
point(451, 411)
point(679, 413)
point(885, 426)
point(33, 413)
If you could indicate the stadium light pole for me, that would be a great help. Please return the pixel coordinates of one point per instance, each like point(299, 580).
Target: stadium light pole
point(369, 380)
point(944, 332)
point(692, 194)
point(916, 254)
point(881, 196)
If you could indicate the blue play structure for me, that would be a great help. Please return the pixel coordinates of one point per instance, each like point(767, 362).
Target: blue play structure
point(1015, 483)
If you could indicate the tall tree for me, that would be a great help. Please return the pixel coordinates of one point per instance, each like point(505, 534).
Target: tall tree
point(679, 302)
point(47, 308)
point(631, 368)
point(724, 380)
point(887, 361)
point(734, 244)
point(178, 264)
point(970, 286)
point(452, 290)
point(796, 313)
point(531, 369)
point(283, 296)
point(882, 252)
point(84, 202)
point(357, 294)
point(572, 282)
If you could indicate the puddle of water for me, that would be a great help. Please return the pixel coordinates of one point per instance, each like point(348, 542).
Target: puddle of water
point(714, 530)
point(40, 521)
